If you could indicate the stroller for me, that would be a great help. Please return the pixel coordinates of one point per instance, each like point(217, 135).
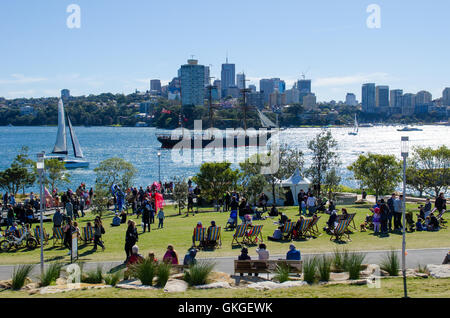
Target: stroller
point(232, 221)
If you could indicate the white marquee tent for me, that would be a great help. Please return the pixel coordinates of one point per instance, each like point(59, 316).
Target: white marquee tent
point(295, 182)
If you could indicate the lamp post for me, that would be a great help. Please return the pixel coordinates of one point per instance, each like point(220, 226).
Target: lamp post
point(40, 166)
point(159, 166)
point(405, 152)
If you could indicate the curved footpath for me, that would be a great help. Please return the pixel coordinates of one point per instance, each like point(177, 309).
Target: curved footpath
point(226, 264)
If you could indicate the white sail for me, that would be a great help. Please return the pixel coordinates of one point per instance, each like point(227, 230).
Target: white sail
point(356, 124)
point(61, 142)
point(76, 145)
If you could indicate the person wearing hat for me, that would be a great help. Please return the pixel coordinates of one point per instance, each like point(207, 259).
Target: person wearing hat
point(293, 254)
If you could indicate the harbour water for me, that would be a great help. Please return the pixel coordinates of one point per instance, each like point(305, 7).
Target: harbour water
point(140, 147)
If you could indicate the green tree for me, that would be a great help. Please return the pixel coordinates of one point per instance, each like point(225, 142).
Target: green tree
point(24, 161)
point(55, 173)
point(378, 173)
point(431, 168)
point(11, 179)
point(332, 180)
point(324, 158)
point(115, 171)
point(100, 201)
point(215, 179)
point(180, 193)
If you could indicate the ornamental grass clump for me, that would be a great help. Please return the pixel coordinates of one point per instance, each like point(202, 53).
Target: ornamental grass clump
point(20, 275)
point(145, 271)
point(112, 279)
point(93, 276)
point(162, 274)
point(50, 275)
point(282, 273)
point(309, 270)
point(354, 263)
point(324, 267)
point(197, 274)
point(391, 263)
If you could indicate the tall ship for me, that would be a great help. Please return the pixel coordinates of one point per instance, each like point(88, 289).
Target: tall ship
point(60, 150)
point(241, 138)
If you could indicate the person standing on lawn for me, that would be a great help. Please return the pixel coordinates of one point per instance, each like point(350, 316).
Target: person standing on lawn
point(98, 231)
point(146, 216)
point(161, 218)
point(398, 209)
point(131, 237)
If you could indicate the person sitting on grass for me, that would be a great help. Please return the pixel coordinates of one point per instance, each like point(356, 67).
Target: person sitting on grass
point(277, 234)
point(273, 211)
point(293, 254)
point(283, 218)
point(244, 257)
point(171, 256)
point(189, 258)
point(152, 258)
point(433, 224)
point(419, 225)
point(123, 216)
point(116, 221)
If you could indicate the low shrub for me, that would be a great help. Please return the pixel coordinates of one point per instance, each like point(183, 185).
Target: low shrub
point(162, 274)
point(354, 263)
point(324, 267)
point(282, 273)
point(51, 274)
point(340, 260)
point(93, 276)
point(145, 271)
point(309, 270)
point(112, 279)
point(391, 263)
point(20, 275)
point(197, 274)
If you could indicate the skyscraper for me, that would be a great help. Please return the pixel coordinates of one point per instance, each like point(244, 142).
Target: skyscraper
point(65, 93)
point(266, 88)
point(192, 83)
point(218, 84)
point(292, 96)
point(423, 101)
point(382, 96)
point(309, 101)
point(446, 96)
point(408, 104)
point(155, 86)
point(240, 80)
point(396, 98)
point(368, 98)
point(228, 75)
point(304, 87)
point(350, 99)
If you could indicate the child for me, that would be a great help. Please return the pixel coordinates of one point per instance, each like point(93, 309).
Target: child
point(376, 220)
point(161, 218)
point(303, 205)
point(419, 226)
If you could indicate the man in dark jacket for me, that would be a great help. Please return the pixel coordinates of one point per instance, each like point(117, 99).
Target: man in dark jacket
point(439, 204)
point(384, 214)
point(390, 203)
point(146, 216)
point(131, 237)
point(57, 218)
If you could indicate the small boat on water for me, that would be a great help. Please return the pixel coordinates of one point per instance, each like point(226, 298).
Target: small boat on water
point(406, 128)
point(61, 143)
point(355, 128)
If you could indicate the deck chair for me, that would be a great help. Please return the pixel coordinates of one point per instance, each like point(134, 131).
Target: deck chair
point(305, 224)
point(58, 236)
point(287, 230)
point(352, 220)
point(20, 232)
point(441, 220)
point(199, 236)
point(88, 235)
point(313, 228)
point(256, 232)
point(37, 235)
point(241, 230)
point(340, 230)
point(214, 235)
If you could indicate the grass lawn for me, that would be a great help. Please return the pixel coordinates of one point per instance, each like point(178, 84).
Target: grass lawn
point(178, 231)
point(390, 288)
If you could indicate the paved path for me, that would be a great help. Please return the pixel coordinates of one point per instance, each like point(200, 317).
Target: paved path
point(226, 264)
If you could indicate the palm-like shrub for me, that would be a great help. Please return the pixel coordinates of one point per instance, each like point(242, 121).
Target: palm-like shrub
point(391, 263)
point(51, 274)
point(341, 260)
point(20, 275)
point(197, 274)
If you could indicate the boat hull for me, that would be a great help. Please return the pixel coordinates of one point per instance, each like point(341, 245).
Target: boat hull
point(75, 164)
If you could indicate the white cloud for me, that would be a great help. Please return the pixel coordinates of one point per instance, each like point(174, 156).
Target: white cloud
point(350, 79)
point(21, 79)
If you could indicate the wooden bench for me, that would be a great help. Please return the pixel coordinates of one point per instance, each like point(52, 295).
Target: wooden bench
point(266, 266)
point(179, 268)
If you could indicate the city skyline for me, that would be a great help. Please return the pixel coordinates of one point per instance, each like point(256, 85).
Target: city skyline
point(118, 49)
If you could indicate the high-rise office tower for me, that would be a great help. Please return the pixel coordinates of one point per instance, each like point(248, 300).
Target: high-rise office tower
point(304, 87)
point(218, 85)
point(310, 101)
point(423, 98)
point(266, 88)
point(368, 98)
point(65, 93)
point(155, 86)
point(350, 99)
point(228, 75)
point(192, 83)
point(408, 104)
point(396, 98)
point(382, 96)
point(446, 96)
point(292, 96)
point(252, 88)
point(240, 80)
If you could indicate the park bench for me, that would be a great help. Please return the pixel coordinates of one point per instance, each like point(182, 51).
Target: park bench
point(266, 266)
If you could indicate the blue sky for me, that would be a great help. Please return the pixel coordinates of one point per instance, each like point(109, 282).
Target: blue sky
point(121, 45)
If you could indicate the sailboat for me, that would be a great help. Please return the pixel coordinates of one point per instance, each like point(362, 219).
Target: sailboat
point(61, 143)
point(355, 128)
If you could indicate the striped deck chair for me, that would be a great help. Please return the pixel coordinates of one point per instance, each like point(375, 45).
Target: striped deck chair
point(256, 231)
point(352, 220)
point(313, 228)
point(287, 230)
point(241, 230)
point(88, 235)
point(304, 228)
point(340, 230)
point(199, 236)
point(58, 236)
point(20, 231)
point(37, 235)
point(214, 235)
point(441, 220)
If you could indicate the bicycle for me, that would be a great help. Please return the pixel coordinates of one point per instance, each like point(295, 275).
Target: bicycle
point(12, 241)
